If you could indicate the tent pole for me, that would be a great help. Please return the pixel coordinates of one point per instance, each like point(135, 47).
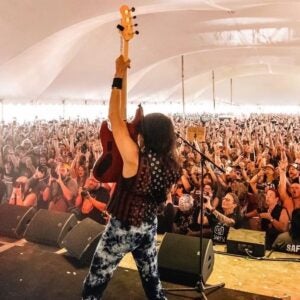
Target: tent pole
point(1, 101)
point(213, 89)
point(182, 86)
point(63, 108)
point(231, 91)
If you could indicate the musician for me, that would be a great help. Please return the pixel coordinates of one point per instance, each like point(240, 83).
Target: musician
point(149, 169)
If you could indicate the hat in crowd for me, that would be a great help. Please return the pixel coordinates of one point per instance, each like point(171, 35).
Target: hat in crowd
point(185, 202)
point(295, 165)
point(270, 166)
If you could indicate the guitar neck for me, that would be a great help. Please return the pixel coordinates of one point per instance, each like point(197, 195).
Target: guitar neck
point(123, 103)
point(127, 34)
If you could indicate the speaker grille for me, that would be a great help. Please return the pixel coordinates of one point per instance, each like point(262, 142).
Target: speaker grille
point(179, 259)
point(49, 227)
point(14, 219)
point(82, 240)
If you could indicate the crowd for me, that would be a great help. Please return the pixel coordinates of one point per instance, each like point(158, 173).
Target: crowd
point(47, 164)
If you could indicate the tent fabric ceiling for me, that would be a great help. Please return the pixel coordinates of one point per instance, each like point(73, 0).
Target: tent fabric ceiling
point(65, 49)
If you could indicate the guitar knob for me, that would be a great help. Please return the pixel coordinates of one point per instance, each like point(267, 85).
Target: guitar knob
point(134, 17)
point(133, 9)
point(137, 32)
point(135, 25)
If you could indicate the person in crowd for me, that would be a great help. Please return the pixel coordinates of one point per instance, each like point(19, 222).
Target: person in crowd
point(2, 186)
point(239, 187)
point(9, 178)
point(290, 241)
point(184, 214)
point(194, 226)
point(208, 193)
point(186, 180)
point(228, 216)
point(43, 152)
point(147, 175)
point(21, 195)
point(9, 155)
point(248, 170)
point(43, 161)
point(26, 166)
point(274, 218)
point(92, 200)
point(294, 173)
point(61, 190)
point(79, 169)
point(27, 146)
point(196, 176)
point(176, 192)
point(264, 178)
point(291, 198)
point(37, 185)
point(35, 155)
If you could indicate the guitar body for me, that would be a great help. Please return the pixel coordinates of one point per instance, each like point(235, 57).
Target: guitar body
point(108, 168)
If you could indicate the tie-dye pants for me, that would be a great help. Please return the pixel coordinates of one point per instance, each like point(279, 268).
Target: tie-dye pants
point(115, 242)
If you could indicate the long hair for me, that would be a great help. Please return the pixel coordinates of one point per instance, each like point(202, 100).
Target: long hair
point(236, 201)
point(295, 225)
point(159, 137)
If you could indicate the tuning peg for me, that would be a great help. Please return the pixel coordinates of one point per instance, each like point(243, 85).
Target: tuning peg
point(132, 9)
point(134, 17)
point(137, 32)
point(135, 25)
point(120, 27)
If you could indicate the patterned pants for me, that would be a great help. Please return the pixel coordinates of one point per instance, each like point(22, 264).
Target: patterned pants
point(115, 242)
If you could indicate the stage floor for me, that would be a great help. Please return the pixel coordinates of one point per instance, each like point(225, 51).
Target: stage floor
point(32, 271)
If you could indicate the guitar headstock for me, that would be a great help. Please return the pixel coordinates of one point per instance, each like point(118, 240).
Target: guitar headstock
point(126, 26)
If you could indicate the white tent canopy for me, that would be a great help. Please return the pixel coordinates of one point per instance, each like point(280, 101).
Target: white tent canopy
point(54, 50)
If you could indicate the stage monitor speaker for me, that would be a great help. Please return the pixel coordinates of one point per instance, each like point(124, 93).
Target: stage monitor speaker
point(82, 240)
point(14, 219)
point(246, 242)
point(179, 259)
point(49, 227)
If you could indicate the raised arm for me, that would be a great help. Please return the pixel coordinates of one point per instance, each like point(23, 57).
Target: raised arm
point(285, 198)
point(126, 146)
point(221, 217)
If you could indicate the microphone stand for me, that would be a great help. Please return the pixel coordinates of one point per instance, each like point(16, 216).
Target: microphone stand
point(200, 285)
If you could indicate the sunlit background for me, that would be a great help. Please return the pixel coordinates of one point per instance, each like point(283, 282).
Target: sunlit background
point(29, 112)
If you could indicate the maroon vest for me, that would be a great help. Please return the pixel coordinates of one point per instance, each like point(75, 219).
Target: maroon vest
point(136, 199)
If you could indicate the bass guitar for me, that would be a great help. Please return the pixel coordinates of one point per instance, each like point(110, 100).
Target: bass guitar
point(108, 168)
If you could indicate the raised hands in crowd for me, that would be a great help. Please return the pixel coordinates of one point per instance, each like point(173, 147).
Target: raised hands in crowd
point(257, 153)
